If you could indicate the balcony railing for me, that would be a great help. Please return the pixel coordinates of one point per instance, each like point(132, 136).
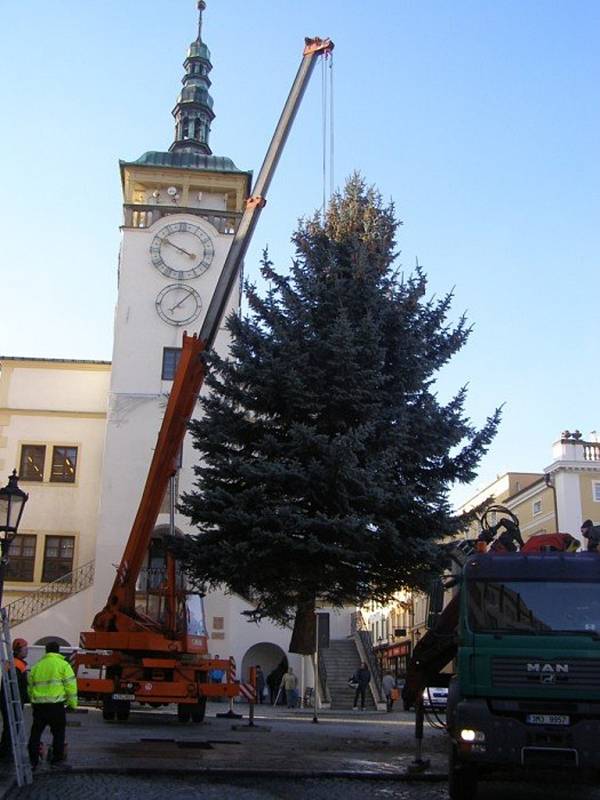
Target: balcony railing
point(30, 605)
point(140, 215)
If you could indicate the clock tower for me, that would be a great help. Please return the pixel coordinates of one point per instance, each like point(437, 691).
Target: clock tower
point(181, 208)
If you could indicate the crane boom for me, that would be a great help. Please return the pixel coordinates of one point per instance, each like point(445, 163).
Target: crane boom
point(119, 613)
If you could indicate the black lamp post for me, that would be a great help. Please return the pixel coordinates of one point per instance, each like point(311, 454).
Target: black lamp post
point(12, 504)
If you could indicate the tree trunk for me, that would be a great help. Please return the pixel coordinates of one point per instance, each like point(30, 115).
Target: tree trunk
point(305, 628)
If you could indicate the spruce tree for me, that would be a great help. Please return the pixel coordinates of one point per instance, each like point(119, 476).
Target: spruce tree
point(325, 456)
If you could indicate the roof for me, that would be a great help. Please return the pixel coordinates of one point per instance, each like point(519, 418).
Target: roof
point(54, 360)
point(186, 159)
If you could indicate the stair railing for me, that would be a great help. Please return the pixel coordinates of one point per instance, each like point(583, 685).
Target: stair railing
point(28, 606)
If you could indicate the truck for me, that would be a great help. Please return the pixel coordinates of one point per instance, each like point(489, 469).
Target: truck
point(521, 635)
point(158, 654)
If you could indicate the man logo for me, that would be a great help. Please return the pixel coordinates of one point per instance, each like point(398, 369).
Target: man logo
point(547, 669)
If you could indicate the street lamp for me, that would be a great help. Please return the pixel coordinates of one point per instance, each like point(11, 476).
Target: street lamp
point(12, 504)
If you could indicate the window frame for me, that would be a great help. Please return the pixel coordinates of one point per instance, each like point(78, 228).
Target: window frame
point(47, 576)
point(13, 559)
point(596, 491)
point(66, 447)
point(22, 472)
point(537, 503)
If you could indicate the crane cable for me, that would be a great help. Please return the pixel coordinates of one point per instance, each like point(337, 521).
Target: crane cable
point(327, 121)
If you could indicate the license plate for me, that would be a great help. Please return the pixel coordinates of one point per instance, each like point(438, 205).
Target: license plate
point(123, 697)
point(548, 719)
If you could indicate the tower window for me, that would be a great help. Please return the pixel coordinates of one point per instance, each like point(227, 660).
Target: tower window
point(185, 128)
point(169, 363)
point(198, 129)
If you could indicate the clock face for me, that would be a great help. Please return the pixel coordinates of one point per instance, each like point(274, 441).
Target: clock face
point(178, 304)
point(182, 251)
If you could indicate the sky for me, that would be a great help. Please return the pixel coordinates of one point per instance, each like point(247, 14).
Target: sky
point(480, 120)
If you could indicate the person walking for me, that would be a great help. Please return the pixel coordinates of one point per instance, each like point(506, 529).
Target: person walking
point(19, 648)
point(362, 678)
point(289, 682)
point(260, 684)
point(388, 684)
point(52, 686)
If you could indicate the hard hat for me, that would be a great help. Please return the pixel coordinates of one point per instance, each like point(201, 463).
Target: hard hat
point(18, 644)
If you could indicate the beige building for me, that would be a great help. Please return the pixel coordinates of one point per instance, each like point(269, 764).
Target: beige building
point(559, 498)
point(52, 429)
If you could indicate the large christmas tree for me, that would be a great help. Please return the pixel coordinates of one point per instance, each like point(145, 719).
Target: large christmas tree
point(325, 457)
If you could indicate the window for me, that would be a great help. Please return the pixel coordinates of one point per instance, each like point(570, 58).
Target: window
point(537, 507)
point(32, 462)
point(169, 362)
point(58, 557)
point(596, 491)
point(64, 463)
point(21, 558)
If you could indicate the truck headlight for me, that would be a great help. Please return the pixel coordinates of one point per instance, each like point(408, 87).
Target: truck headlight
point(469, 735)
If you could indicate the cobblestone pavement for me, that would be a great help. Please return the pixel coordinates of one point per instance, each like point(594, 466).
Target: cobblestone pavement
point(102, 787)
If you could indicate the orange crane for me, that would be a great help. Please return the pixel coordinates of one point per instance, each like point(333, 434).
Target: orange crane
point(161, 658)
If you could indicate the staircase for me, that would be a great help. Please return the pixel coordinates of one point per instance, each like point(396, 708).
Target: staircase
point(341, 661)
point(50, 594)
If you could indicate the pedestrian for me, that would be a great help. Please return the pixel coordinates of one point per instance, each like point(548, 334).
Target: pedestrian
point(260, 684)
point(52, 686)
point(216, 674)
point(19, 649)
point(289, 682)
point(362, 678)
point(388, 684)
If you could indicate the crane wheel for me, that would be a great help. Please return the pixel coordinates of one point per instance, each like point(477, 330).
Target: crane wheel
point(109, 708)
point(184, 712)
point(199, 710)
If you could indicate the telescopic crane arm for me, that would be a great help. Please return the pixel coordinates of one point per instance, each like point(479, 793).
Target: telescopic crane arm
point(119, 613)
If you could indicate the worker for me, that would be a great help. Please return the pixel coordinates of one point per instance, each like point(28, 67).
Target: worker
point(216, 673)
point(591, 532)
point(19, 649)
point(52, 686)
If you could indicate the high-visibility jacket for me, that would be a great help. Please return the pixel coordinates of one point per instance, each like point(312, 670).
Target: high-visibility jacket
point(52, 680)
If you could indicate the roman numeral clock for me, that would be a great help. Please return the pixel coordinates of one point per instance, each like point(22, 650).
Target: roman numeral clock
point(181, 251)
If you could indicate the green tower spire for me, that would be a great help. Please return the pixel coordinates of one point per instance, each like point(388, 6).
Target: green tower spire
point(193, 112)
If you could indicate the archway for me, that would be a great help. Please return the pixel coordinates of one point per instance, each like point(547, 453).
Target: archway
point(271, 658)
point(47, 639)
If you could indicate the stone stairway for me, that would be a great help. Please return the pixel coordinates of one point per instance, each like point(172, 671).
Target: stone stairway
point(341, 661)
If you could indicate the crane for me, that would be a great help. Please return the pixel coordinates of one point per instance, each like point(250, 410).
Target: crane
point(164, 660)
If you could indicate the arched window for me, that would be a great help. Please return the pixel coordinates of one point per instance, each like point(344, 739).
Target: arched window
point(185, 128)
point(198, 130)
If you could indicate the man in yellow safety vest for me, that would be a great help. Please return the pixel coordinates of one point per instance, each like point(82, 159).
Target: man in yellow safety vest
point(52, 686)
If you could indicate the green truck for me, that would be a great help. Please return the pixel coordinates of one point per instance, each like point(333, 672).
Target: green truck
point(523, 635)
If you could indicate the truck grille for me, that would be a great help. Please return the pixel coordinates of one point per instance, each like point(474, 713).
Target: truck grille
point(521, 672)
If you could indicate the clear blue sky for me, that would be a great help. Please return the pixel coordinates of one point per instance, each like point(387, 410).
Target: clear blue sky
point(480, 119)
